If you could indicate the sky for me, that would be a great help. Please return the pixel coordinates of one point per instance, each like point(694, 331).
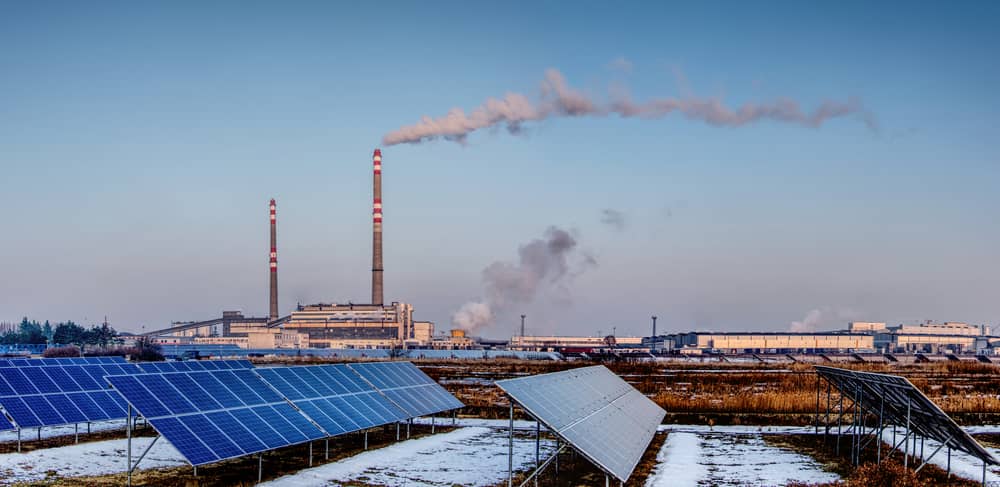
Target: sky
point(140, 143)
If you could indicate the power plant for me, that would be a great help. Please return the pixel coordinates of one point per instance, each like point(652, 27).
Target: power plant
point(321, 325)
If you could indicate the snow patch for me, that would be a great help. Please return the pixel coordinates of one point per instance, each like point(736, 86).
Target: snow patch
point(85, 459)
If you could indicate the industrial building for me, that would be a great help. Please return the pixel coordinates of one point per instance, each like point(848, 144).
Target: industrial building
point(753, 342)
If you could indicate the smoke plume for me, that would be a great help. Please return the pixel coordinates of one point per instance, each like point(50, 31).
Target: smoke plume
point(823, 318)
point(613, 218)
point(558, 99)
point(544, 265)
point(809, 323)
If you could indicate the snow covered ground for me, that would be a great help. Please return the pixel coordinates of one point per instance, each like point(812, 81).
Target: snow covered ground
point(962, 464)
point(31, 434)
point(720, 458)
point(94, 458)
point(470, 456)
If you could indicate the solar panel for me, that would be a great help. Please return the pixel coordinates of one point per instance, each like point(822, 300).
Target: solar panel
point(333, 396)
point(899, 402)
point(595, 411)
point(407, 387)
point(215, 415)
point(61, 394)
point(41, 362)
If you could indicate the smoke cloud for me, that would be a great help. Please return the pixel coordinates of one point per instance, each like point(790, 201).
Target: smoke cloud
point(544, 264)
point(823, 318)
point(613, 218)
point(558, 99)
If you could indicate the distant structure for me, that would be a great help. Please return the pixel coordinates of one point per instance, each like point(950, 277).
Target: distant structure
point(377, 228)
point(273, 314)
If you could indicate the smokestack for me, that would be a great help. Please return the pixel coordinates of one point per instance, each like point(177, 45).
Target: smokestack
point(522, 325)
point(273, 314)
point(654, 325)
point(377, 229)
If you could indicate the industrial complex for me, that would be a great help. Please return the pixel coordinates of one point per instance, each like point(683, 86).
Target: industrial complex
point(380, 325)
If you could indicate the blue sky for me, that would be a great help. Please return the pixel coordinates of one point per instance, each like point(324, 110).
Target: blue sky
point(140, 143)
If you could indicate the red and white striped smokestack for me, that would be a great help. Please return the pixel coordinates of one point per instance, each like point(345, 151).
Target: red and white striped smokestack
point(377, 228)
point(273, 314)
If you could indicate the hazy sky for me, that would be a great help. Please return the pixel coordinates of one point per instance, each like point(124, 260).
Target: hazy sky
point(140, 143)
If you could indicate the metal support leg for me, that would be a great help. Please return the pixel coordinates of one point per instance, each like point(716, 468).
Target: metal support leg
point(128, 454)
point(510, 448)
point(88, 427)
point(76, 433)
point(260, 468)
point(948, 471)
point(537, 442)
point(432, 425)
point(984, 473)
point(906, 456)
point(397, 431)
point(840, 409)
point(19, 440)
point(39, 433)
point(408, 423)
point(818, 384)
point(195, 470)
point(881, 426)
point(366, 439)
point(607, 481)
point(327, 454)
point(310, 453)
point(454, 414)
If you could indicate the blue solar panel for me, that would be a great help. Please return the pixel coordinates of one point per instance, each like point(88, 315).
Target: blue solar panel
point(407, 387)
point(5, 424)
point(206, 426)
point(333, 396)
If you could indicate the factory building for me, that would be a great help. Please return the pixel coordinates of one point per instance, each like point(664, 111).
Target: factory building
point(357, 326)
point(750, 342)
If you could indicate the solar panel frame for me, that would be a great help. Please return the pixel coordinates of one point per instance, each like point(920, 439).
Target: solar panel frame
point(898, 398)
point(266, 419)
point(611, 423)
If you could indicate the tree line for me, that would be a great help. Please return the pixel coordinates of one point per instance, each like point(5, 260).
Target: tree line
point(66, 333)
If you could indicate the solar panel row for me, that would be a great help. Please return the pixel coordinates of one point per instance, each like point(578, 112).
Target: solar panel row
point(333, 396)
point(215, 415)
point(34, 362)
point(61, 394)
point(599, 414)
point(407, 387)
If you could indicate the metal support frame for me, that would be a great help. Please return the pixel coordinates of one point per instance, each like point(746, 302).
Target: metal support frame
point(408, 423)
point(510, 447)
point(928, 459)
point(260, 467)
point(432, 424)
point(540, 468)
point(366, 439)
point(128, 454)
point(310, 453)
point(326, 455)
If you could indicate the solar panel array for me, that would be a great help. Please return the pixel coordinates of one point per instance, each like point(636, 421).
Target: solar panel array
point(409, 388)
point(333, 396)
point(599, 414)
point(61, 394)
point(215, 415)
point(64, 391)
point(902, 404)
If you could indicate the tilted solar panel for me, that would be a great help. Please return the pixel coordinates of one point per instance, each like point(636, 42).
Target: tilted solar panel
point(61, 394)
point(333, 396)
point(407, 387)
point(599, 414)
point(899, 402)
point(215, 415)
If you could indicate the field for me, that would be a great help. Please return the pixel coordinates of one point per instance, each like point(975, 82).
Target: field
point(727, 424)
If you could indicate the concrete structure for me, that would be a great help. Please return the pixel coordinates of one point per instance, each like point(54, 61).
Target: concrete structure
point(947, 328)
point(377, 228)
point(750, 342)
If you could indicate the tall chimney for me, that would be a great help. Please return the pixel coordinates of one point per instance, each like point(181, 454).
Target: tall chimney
point(377, 229)
point(654, 325)
point(273, 314)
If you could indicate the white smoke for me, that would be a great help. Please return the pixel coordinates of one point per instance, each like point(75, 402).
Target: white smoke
point(543, 265)
point(558, 99)
point(809, 323)
point(823, 318)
